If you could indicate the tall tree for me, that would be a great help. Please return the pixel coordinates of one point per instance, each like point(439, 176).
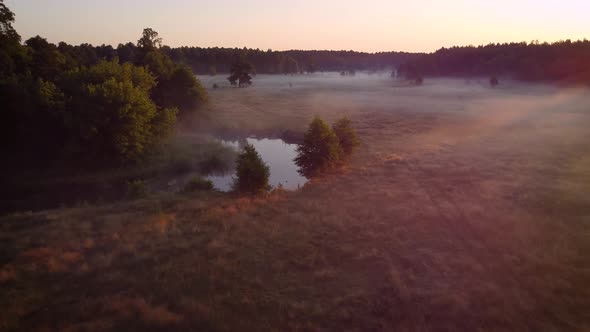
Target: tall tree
point(149, 40)
point(13, 56)
point(6, 20)
point(240, 71)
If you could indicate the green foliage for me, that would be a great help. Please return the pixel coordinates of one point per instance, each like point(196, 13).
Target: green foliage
point(67, 103)
point(164, 123)
point(6, 20)
point(198, 184)
point(177, 86)
point(137, 189)
point(138, 76)
point(127, 52)
point(149, 40)
point(252, 173)
point(200, 59)
point(159, 64)
point(564, 60)
point(112, 113)
point(347, 136)
point(12, 54)
point(240, 72)
point(181, 90)
point(320, 149)
point(46, 60)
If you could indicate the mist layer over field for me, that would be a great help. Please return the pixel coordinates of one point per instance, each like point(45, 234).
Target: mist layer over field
point(465, 208)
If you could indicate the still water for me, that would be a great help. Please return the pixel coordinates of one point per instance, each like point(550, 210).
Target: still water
point(277, 154)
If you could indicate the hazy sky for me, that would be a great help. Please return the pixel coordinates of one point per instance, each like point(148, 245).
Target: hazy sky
point(363, 25)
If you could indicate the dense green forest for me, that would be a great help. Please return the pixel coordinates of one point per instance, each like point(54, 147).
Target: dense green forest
point(212, 60)
point(563, 61)
point(81, 104)
point(567, 61)
point(215, 60)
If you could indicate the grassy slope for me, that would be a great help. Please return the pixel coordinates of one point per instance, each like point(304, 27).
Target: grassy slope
point(473, 217)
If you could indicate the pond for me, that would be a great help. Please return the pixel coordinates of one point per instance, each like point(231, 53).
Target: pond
point(277, 154)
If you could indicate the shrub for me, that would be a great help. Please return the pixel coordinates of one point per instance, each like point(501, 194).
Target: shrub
point(252, 173)
point(198, 184)
point(136, 189)
point(347, 136)
point(320, 149)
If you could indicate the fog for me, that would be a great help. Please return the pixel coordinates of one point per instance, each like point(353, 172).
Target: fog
point(513, 131)
point(278, 103)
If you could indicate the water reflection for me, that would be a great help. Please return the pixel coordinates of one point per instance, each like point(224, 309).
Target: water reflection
point(277, 154)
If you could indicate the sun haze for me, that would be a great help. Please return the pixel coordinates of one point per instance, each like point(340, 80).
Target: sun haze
point(374, 25)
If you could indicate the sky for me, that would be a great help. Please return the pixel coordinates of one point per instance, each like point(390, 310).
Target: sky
point(367, 25)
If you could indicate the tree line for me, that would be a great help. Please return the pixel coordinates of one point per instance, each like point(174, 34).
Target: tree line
point(564, 61)
point(560, 61)
point(86, 104)
point(213, 60)
point(216, 59)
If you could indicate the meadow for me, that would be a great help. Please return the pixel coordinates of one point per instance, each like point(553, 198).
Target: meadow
point(466, 208)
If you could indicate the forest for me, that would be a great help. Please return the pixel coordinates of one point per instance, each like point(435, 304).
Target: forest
point(563, 61)
point(82, 105)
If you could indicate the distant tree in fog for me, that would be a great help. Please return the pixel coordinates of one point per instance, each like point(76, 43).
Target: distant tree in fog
point(289, 65)
point(350, 72)
point(240, 72)
point(494, 81)
point(311, 67)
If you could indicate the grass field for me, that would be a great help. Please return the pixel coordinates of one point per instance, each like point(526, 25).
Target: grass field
point(466, 209)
